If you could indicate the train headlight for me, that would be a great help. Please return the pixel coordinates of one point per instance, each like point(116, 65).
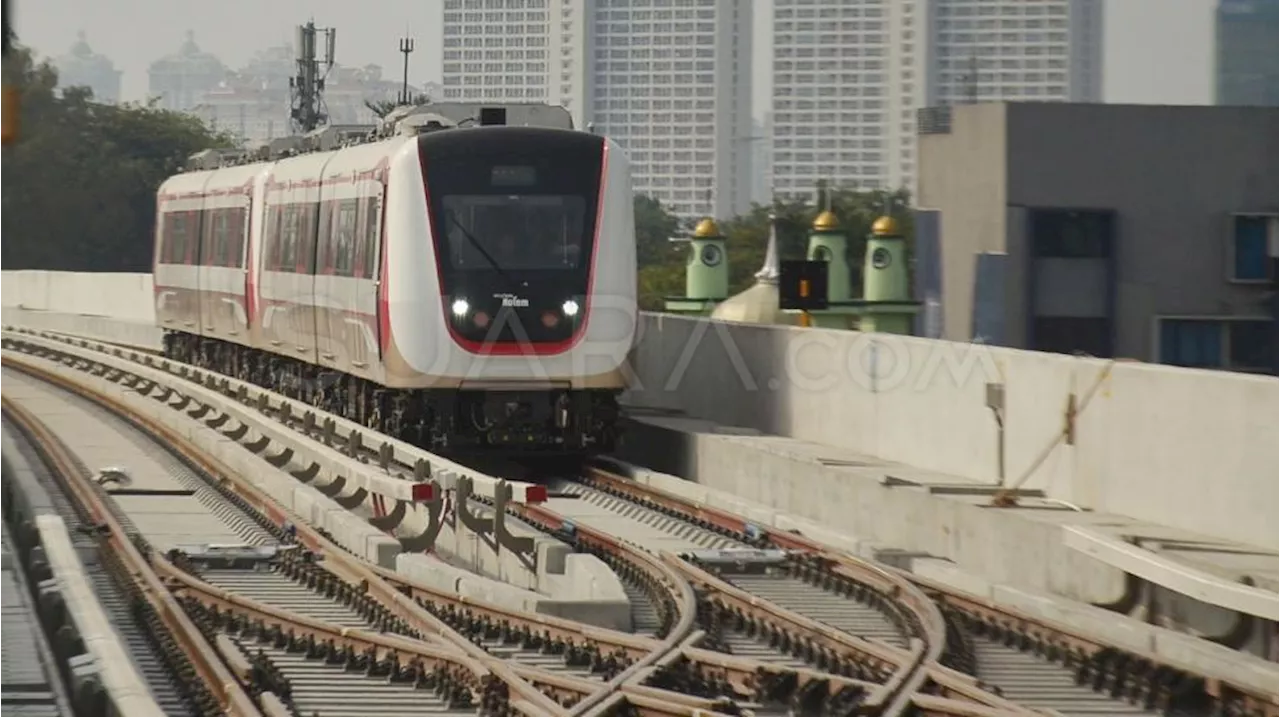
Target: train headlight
point(460, 307)
point(570, 308)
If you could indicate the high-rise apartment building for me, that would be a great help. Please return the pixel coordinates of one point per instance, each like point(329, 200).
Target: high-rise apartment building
point(669, 80)
point(672, 84)
point(517, 51)
point(1245, 52)
point(849, 75)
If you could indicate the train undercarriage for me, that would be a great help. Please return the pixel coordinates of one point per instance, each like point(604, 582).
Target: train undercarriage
point(451, 422)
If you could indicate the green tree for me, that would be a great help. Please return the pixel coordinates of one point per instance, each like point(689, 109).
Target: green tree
point(661, 264)
point(83, 175)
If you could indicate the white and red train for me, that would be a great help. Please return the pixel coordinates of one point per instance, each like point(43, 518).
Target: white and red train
point(465, 289)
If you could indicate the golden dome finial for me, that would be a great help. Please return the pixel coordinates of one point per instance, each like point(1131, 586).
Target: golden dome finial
point(827, 221)
point(885, 226)
point(706, 229)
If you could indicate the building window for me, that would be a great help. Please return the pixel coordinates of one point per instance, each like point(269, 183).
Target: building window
point(1089, 335)
point(1067, 234)
point(1194, 343)
point(1247, 345)
point(1252, 247)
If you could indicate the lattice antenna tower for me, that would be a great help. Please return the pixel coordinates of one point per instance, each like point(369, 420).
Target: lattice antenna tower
point(406, 48)
point(306, 90)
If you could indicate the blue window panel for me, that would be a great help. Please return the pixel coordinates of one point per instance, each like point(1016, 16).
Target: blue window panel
point(1191, 343)
point(1251, 249)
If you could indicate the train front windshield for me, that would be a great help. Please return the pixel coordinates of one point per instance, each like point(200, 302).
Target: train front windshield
point(513, 213)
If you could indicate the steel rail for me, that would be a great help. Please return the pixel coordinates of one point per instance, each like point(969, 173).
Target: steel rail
point(950, 684)
point(741, 673)
point(735, 671)
point(338, 560)
point(220, 683)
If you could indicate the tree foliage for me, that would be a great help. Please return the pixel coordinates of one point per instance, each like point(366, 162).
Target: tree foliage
point(83, 175)
point(747, 236)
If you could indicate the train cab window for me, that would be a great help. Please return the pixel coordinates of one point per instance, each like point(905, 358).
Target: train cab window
point(516, 231)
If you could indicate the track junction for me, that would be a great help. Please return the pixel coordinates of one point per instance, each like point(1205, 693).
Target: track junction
point(308, 612)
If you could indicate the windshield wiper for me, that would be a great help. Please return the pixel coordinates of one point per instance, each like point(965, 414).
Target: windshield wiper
point(475, 243)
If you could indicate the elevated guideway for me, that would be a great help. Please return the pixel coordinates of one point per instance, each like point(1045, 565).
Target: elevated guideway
point(1097, 473)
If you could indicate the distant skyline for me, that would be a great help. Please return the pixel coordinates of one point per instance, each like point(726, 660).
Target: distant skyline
point(1156, 51)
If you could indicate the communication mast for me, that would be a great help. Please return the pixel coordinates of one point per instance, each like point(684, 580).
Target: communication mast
point(306, 90)
point(406, 47)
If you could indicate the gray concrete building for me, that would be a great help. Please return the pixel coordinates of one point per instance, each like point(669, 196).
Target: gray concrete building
point(1129, 231)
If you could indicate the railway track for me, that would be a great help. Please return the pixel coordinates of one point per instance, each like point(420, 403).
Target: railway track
point(203, 600)
point(30, 490)
point(653, 531)
point(624, 656)
point(1033, 663)
point(904, 661)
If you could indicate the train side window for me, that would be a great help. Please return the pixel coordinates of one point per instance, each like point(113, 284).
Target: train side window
point(193, 238)
point(307, 237)
point(226, 257)
point(240, 230)
point(277, 239)
point(346, 244)
point(194, 243)
point(289, 239)
point(165, 249)
point(179, 235)
point(209, 249)
point(324, 240)
point(373, 221)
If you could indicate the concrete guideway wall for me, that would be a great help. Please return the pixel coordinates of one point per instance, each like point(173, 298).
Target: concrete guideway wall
point(128, 297)
point(1184, 448)
point(1178, 447)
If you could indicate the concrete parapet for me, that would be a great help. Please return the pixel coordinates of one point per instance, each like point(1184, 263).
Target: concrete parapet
point(1004, 546)
point(130, 297)
point(1143, 439)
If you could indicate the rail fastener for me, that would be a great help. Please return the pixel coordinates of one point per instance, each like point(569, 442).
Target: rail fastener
point(220, 684)
point(339, 561)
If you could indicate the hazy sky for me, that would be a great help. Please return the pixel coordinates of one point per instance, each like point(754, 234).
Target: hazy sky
point(1157, 51)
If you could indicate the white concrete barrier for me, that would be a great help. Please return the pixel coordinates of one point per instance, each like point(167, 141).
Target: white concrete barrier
point(1178, 447)
point(129, 297)
point(1183, 448)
